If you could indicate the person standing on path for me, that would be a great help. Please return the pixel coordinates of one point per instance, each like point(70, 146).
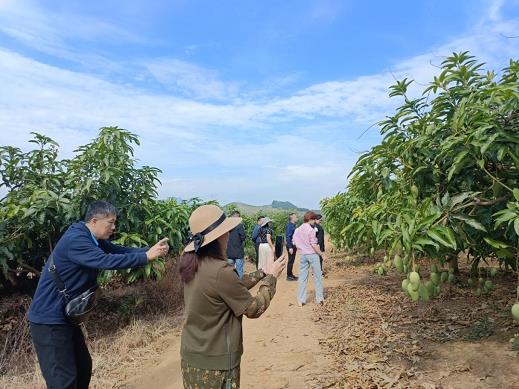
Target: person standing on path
point(320, 239)
point(267, 248)
point(255, 238)
point(235, 247)
point(83, 249)
point(305, 240)
point(215, 302)
point(292, 250)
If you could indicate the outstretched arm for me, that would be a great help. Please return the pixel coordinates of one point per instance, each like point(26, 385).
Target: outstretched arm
point(251, 279)
point(261, 301)
point(235, 294)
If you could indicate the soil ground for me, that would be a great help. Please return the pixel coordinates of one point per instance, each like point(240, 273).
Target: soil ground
point(368, 335)
point(281, 348)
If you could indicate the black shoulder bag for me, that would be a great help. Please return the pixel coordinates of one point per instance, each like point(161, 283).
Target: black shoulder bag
point(78, 308)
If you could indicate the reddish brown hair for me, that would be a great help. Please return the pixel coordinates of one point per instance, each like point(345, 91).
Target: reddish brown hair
point(188, 262)
point(309, 216)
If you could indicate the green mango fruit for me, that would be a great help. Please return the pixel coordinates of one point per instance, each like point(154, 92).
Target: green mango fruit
point(405, 284)
point(430, 287)
point(444, 276)
point(488, 285)
point(414, 191)
point(437, 291)
point(381, 271)
point(414, 277)
point(399, 264)
point(413, 293)
point(451, 279)
point(435, 278)
point(478, 292)
point(515, 312)
point(493, 272)
point(451, 271)
point(481, 281)
point(434, 268)
point(423, 292)
point(470, 281)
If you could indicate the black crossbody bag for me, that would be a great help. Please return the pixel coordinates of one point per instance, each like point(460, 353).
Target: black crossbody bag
point(78, 308)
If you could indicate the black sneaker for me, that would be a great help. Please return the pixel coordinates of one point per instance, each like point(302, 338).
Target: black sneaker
point(292, 278)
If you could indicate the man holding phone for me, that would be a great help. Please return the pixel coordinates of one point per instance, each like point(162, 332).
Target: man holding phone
point(83, 249)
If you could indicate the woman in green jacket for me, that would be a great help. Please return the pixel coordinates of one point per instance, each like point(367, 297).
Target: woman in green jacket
point(215, 301)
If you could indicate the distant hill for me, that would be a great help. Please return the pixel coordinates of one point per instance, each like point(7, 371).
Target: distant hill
point(276, 206)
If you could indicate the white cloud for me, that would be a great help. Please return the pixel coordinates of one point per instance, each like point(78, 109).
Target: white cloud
point(191, 80)
point(56, 33)
point(494, 10)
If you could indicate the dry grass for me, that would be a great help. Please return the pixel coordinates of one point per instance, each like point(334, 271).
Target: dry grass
point(116, 358)
point(131, 326)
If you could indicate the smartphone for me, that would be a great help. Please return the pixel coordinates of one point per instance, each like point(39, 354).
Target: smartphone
point(280, 241)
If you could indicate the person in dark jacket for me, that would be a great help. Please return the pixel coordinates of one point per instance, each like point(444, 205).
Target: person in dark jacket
point(235, 247)
point(256, 239)
point(83, 249)
point(320, 238)
point(292, 250)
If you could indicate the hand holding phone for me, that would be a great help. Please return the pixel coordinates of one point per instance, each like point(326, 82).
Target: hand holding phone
point(278, 266)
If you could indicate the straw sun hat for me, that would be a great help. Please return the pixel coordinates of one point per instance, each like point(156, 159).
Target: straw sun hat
point(207, 223)
point(266, 221)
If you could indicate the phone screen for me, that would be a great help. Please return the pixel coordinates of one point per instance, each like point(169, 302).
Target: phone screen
point(280, 240)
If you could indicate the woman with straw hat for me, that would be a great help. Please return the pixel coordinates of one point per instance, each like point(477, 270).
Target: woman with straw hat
point(266, 248)
point(215, 302)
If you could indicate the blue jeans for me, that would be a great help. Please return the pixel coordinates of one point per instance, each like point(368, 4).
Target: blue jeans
point(238, 265)
point(306, 262)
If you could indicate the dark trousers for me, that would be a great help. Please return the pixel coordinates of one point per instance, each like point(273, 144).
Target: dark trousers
point(290, 264)
point(256, 246)
point(63, 355)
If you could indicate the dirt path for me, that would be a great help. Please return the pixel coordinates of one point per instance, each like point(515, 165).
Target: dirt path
point(281, 348)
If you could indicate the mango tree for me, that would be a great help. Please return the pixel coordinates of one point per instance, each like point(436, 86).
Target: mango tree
point(45, 194)
point(442, 180)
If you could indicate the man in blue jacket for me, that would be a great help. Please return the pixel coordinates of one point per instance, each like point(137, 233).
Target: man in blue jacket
point(289, 234)
point(83, 249)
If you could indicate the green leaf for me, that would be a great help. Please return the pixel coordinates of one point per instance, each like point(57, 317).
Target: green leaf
point(471, 222)
point(427, 242)
point(442, 236)
point(460, 198)
point(495, 243)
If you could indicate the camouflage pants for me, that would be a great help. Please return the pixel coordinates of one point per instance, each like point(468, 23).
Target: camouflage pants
point(195, 378)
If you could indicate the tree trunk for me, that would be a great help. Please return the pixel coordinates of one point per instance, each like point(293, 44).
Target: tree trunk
point(453, 264)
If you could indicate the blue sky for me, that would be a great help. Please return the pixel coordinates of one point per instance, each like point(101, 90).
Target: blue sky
point(234, 100)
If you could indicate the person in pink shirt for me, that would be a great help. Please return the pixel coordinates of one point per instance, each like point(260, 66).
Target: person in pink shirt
point(306, 242)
